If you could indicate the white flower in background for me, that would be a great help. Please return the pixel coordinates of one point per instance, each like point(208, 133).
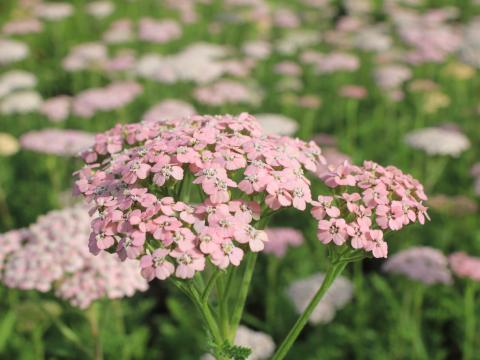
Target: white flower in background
point(372, 39)
point(85, 56)
point(100, 9)
point(277, 124)
point(297, 40)
point(199, 62)
point(392, 76)
point(169, 109)
point(20, 102)
point(120, 31)
point(261, 344)
point(301, 292)
point(12, 51)
point(257, 49)
point(438, 141)
point(16, 80)
point(470, 48)
point(22, 26)
point(54, 11)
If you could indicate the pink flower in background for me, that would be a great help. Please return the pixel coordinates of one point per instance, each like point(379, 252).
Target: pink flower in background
point(169, 109)
point(392, 76)
point(123, 61)
point(57, 109)
point(424, 264)
point(465, 266)
point(280, 238)
point(336, 61)
point(159, 31)
point(257, 49)
point(120, 31)
point(226, 92)
point(310, 101)
point(301, 292)
point(114, 96)
point(288, 68)
point(57, 141)
point(51, 255)
point(22, 27)
point(286, 18)
point(85, 56)
point(353, 92)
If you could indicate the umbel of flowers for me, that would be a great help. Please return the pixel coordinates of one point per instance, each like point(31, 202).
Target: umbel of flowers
point(51, 255)
point(190, 198)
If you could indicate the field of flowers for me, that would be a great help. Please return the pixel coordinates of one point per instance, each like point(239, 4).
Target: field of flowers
point(239, 179)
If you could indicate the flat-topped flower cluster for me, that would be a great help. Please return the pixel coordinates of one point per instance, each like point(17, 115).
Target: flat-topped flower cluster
point(369, 200)
point(141, 177)
point(52, 255)
point(176, 193)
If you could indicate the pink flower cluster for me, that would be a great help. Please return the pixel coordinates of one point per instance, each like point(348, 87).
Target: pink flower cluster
point(465, 266)
point(51, 254)
point(280, 238)
point(114, 96)
point(159, 32)
point(57, 141)
point(421, 263)
point(141, 177)
point(226, 92)
point(369, 200)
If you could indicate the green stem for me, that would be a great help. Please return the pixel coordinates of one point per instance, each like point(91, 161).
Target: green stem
point(421, 352)
point(204, 309)
point(360, 304)
point(250, 261)
point(223, 308)
point(469, 307)
point(38, 348)
point(210, 285)
point(271, 297)
point(5, 214)
point(92, 315)
point(330, 277)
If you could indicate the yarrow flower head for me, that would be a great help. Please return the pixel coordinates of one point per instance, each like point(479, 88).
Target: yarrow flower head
point(368, 201)
point(280, 238)
point(423, 263)
point(177, 193)
point(438, 141)
point(465, 266)
point(302, 291)
point(51, 255)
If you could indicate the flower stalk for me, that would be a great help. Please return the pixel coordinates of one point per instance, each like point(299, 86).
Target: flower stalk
point(332, 273)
